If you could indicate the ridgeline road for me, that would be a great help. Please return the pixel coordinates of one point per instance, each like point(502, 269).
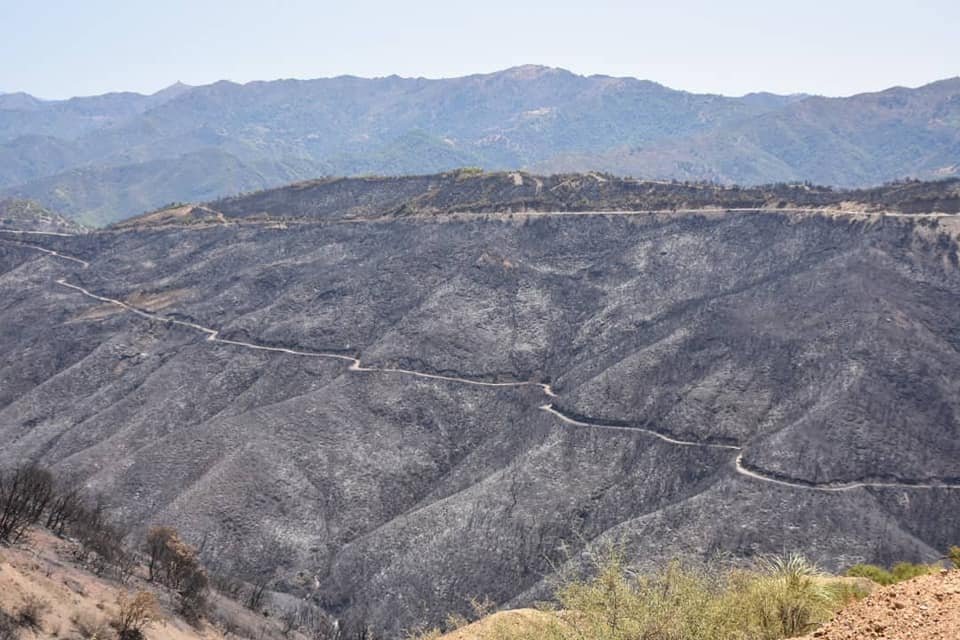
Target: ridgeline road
point(50, 252)
point(838, 487)
point(549, 408)
point(213, 335)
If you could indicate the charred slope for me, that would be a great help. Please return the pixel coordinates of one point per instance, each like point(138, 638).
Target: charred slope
point(825, 348)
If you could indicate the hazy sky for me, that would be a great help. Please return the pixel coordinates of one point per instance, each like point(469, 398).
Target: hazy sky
point(57, 48)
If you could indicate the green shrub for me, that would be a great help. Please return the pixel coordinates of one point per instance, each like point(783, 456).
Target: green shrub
point(871, 572)
point(900, 572)
point(676, 603)
point(906, 570)
point(954, 555)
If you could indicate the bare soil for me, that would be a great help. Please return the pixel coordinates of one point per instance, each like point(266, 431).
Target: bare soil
point(501, 624)
point(924, 608)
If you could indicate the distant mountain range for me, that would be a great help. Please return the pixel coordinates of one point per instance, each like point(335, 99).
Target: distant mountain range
point(104, 158)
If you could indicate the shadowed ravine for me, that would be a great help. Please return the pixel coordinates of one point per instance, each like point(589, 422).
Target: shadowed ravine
point(740, 466)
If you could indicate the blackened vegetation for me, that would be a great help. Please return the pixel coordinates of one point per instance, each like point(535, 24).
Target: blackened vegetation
point(30, 496)
point(25, 494)
point(826, 346)
point(175, 564)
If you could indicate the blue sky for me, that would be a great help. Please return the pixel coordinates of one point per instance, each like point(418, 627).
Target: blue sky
point(57, 49)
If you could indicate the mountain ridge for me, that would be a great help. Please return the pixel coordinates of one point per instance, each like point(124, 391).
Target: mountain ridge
point(67, 154)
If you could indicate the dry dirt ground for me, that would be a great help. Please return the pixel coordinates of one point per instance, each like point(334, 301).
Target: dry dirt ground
point(499, 624)
point(75, 604)
point(925, 608)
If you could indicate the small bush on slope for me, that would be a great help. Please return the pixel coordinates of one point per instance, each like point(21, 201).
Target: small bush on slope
point(954, 555)
point(135, 612)
point(8, 628)
point(31, 612)
point(90, 624)
point(176, 564)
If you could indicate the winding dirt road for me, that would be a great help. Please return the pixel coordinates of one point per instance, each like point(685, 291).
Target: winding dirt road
point(549, 408)
point(213, 335)
point(837, 487)
point(50, 252)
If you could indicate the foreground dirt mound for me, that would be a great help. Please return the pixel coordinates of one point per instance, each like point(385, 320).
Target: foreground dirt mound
point(925, 608)
point(502, 624)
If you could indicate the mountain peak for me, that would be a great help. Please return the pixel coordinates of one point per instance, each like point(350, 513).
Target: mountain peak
point(176, 86)
point(172, 91)
point(530, 71)
point(19, 100)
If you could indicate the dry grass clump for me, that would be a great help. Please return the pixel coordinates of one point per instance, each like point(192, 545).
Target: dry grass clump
point(135, 612)
point(781, 597)
point(789, 597)
point(90, 625)
point(31, 612)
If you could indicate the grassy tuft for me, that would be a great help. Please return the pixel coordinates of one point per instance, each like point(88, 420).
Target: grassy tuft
point(780, 598)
